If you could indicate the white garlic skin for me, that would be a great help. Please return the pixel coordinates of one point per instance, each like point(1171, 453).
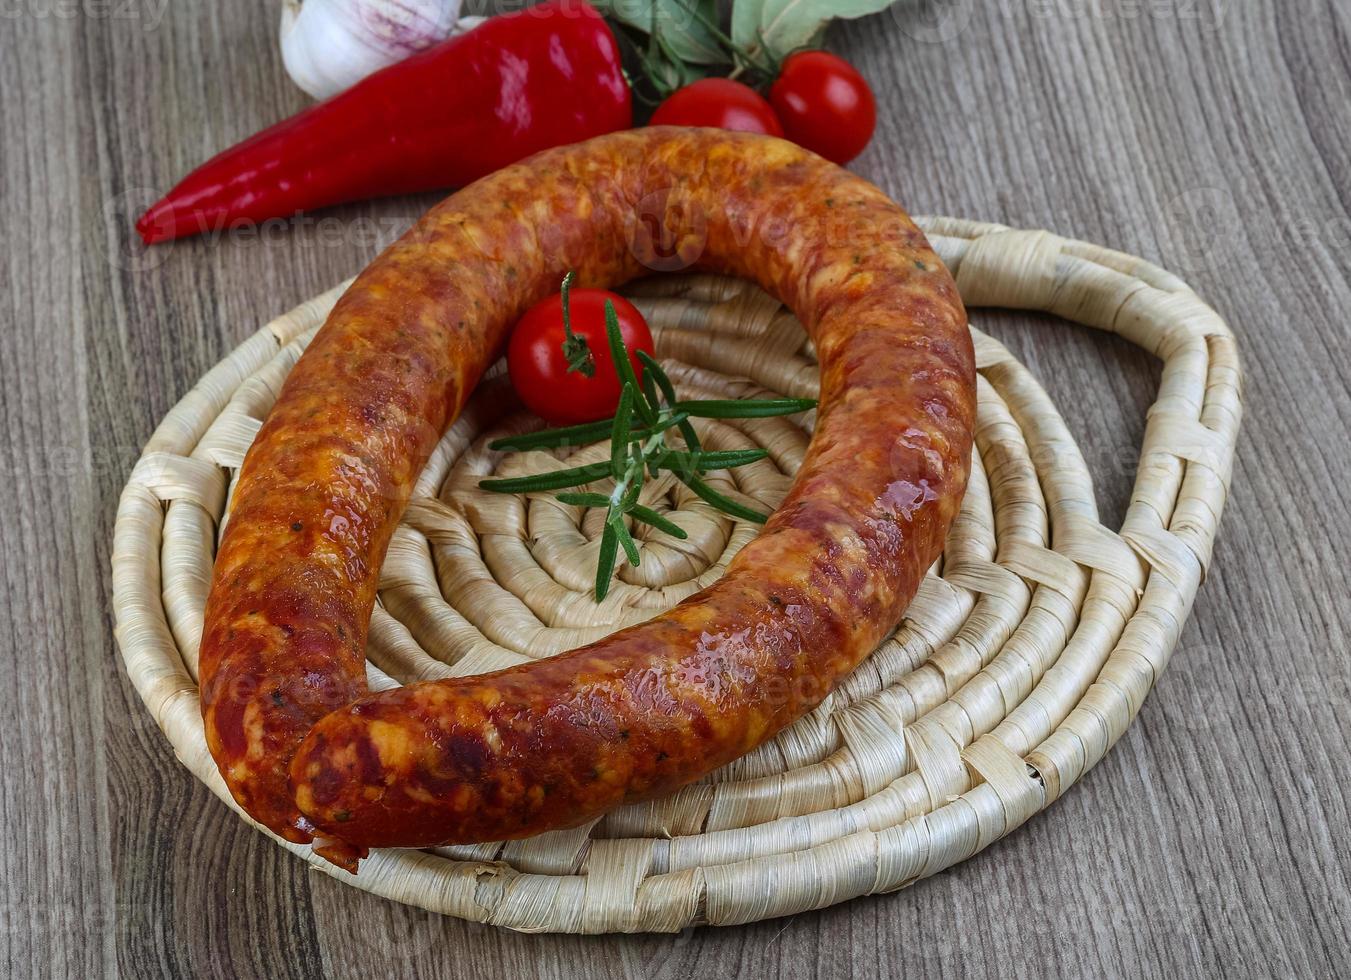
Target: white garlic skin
point(329, 45)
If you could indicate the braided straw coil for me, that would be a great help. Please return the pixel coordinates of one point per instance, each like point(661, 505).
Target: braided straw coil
point(1027, 653)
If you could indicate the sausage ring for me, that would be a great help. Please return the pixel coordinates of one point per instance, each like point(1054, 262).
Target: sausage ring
point(302, 744)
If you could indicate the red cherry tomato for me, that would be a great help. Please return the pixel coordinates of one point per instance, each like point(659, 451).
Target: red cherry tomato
point(718, 102)
point(538, 363)
point(824, 104)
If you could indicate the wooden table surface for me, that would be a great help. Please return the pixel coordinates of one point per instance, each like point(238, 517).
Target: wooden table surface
point(1211, 136)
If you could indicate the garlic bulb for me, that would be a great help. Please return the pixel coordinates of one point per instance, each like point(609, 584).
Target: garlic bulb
point(328, 45)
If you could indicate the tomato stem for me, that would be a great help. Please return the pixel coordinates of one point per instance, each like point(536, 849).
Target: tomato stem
point(575, 348)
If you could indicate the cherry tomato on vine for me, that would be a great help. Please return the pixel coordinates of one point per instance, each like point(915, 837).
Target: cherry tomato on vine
point(718, 102)
point(824, 104)
point(562, 368)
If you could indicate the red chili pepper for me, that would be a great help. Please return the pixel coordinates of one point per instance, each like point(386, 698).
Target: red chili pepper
point(517, 84)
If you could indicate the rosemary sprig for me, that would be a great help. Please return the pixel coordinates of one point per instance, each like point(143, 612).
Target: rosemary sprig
point(648, 410)
point(557, 480)
point(576, 435)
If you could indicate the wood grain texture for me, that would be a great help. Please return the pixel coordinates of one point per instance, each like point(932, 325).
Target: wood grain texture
point(1211, 135)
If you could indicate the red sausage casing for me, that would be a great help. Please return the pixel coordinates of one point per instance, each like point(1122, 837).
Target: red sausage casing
point(554, 743)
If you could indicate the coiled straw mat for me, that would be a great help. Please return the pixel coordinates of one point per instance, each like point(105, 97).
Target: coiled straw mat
point(1026, 655)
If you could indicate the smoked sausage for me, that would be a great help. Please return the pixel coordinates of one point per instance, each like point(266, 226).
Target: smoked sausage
point(303, 746)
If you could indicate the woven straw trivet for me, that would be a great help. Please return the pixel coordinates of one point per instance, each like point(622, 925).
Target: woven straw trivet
point(1025, 656)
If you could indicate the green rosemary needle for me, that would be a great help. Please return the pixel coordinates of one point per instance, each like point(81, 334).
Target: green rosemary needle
point(648, 409)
